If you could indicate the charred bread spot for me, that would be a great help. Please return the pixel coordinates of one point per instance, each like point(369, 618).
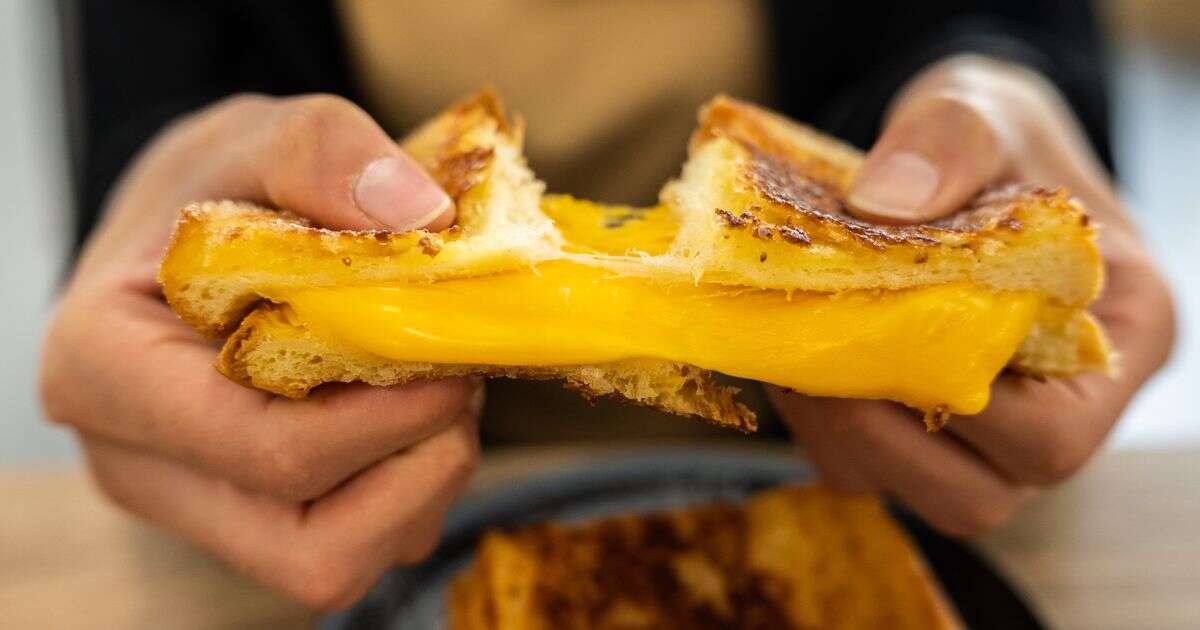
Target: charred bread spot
point(487, 102)
point(346, 260)
point(459, 172)
point(637, 560)
point(1011, 224)
point(807, 190)
point(780, 181)
point(922, 257)
point(762, 257)
point(992, 208)
point(805, 181)
point(794, 235)
point(811, 199)
point(382, 237)
point(428, 246)
point(731, 220)
point(750, 127)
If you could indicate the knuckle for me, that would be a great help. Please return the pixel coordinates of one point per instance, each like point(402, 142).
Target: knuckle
point(108, 481)
point(304, 141)
point(200, 126)
point(113, 489)
point(1057, 458)
point(978, 517)
point(54, 391)
point(462, 457)
point(968, 119)
point(326, 581)
point(55, 394)
point(286, 470)
point(419, 545)
point(314, 116)
point(1065, 439)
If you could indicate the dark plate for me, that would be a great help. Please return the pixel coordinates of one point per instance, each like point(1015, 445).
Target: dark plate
point(414, 597)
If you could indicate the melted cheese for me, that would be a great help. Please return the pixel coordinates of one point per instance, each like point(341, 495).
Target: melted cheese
point(595, 228)
point(939, 345)
point(928, 347)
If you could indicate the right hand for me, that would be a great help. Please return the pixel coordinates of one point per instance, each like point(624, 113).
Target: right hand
point(316, 498)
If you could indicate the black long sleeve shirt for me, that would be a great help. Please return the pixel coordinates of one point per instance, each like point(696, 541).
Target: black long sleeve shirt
point(134, 65)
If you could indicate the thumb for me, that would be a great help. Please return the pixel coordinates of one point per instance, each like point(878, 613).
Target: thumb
point(326, 159)
point(936, 152)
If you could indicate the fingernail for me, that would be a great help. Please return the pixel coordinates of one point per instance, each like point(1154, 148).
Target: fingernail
point(397, 194)
point(897, 186)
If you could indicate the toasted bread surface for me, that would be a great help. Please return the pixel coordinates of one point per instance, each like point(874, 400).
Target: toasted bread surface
point(763, 203)
point(760, 203)
point(803, 557)
point(223, 252)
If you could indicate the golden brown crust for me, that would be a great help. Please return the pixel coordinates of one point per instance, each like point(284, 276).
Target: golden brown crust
point(221, 252)
point(291, 240)
point(763, 201)
point(802, 557)
point(784, 227)
point(820, 157)
point(809, 174)
point(446, 148)
point(462, 171)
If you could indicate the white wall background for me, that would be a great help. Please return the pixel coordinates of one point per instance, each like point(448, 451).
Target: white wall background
point(1158, 134)
point(34, 215)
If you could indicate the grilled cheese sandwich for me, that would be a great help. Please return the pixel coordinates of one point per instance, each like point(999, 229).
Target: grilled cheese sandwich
point(800, 557)
point(749, 266)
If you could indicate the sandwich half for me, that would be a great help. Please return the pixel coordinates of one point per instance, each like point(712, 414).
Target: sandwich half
point(750, 266)
point(800, 557)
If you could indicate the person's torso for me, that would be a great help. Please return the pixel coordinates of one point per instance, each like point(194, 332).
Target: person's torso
point(609, 90)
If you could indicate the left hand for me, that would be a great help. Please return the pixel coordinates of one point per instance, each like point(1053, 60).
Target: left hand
point(963, 124)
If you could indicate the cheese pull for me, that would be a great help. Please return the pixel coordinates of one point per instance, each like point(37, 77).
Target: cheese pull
point(937, 347)
point(749, 265)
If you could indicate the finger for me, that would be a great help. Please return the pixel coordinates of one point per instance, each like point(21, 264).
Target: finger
point(318, 156)
point(834, 454)
point(1042, 432)
point(939, 478)
point(937, 151)
point(414, 488)
point(183, 408)
point(325, 158)
point(326, 554)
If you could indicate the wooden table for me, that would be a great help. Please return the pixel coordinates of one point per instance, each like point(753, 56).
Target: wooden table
point(1116, 547)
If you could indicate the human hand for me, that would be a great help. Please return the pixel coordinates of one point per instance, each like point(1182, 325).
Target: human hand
point(316, 497)
point(962, 124)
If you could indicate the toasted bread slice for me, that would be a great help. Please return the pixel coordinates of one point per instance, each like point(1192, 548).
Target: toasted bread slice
point(802, 557)
point(758, 184)
point(760, 204)
point(223, 253)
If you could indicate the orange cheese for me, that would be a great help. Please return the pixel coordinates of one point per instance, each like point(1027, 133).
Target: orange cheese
point(929, 347)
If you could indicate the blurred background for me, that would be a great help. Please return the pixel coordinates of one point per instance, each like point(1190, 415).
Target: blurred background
point(1156, 56)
